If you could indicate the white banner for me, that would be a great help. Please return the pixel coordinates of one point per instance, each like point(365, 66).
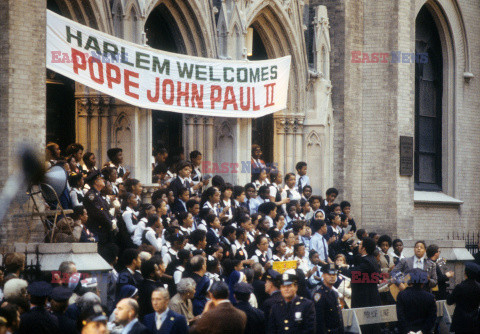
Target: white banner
point(159, 80)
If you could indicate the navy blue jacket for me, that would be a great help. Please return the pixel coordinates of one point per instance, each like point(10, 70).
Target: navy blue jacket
point(173, 323)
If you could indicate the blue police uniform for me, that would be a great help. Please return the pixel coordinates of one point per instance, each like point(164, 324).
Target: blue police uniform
point(327, 310)
point(297, 316)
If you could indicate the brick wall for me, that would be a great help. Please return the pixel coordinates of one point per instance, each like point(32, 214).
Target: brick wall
point(22, 91)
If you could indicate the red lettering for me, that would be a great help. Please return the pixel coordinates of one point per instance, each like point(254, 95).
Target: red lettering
point(224, 166)
point(356, 57)
point(111, 69)
point(356, 276)
point(375, 278)
point(255, 106)
point(230, 98)
point(157, 92)
point(215, 98)
point(56, 277)
point(375, 58)
point(269, 96)
point(169, 83)
point(197, 98)
point(365, 58)
point(76, 64)
point(242, 105)
point(128, 83)
point(98, 79)
point(206, 167)
point(233, 167)
point(215, 168)
point(365, 278)
point(182, 93)
point(56, 56)
point(384, 57)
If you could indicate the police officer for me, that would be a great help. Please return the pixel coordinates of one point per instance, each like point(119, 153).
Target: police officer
point(38, 319)
point(416, 308)
point(59, 303)
point(293, 314)
point(466, 296)
point(255, 317)
point(327, 309)
point(272, 287)
point(99, 220)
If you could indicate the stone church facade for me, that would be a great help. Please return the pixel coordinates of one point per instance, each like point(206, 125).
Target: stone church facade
point(346, 112)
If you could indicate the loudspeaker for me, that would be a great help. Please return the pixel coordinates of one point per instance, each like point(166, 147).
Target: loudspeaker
point(55, 183)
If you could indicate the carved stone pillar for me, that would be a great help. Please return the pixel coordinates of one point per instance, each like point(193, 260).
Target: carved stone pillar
point(209, 140)
point(94, 127)
point(279, 146)
point(104, 120)
point(82, 110)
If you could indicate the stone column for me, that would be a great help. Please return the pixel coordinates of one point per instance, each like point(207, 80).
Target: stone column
point(81, 122)
point(279, 146)
point(94, 128)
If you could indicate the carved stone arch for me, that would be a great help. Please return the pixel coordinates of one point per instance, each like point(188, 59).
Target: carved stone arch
point(313, 139)
point(278, 35)
point(193, 25)
point(118, 13)
point(449, 19)
point(87, 12)
point(123, 136)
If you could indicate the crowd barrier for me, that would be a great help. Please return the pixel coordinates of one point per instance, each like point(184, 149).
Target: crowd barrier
point(354, 318)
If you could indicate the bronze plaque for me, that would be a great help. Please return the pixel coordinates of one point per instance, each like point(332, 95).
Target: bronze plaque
point(406, 156)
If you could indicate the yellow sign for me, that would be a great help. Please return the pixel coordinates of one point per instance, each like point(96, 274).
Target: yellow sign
point(282, 266)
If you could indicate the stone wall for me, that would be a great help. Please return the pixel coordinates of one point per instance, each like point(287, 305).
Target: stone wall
point(22, 90)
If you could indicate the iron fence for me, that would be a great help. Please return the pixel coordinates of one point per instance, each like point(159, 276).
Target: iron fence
point(471, 239)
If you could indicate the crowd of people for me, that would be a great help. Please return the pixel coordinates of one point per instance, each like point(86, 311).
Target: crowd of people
point(206, 256)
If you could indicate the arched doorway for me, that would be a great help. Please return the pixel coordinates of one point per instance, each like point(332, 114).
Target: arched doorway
point(162, 33)
point(60, 103)
point(262, 127)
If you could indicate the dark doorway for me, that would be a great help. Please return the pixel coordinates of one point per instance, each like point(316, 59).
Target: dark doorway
point(60, 109)
point(428, 103)
point(163, 34)
point(262, 127)
point(60, 103)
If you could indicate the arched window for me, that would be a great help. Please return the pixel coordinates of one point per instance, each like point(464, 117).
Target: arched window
point(428, 103)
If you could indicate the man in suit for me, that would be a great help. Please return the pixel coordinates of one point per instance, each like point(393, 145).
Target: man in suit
point(466, 296)
point(131, 260)
point(220, 316)
point(198, 265)
point(180, 203)
point(164, 320)
point(420, 261)
point(151, 273)
point(416, 308)
point(126, 314)
point(184, 169)
point(365, 276)
point(255, 317)
point(38, 320)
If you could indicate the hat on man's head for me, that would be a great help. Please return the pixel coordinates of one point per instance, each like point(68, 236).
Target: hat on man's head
point(39, 289)
point(92, 176)
point(61, 294)
point(330, 268)
point(243, 288)
point(93, 313)
point(272, 275)
point(289, 277)
point(472, 270)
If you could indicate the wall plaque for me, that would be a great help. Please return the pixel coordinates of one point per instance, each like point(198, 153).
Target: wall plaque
point(406, 156)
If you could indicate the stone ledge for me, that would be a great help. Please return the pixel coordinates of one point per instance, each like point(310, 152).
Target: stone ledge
point(451, 250)
point(434, 197)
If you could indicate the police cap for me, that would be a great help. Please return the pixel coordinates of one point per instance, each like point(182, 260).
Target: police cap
point(39, 289)
point(330, 268)
point(289, 277)
point(61, 294)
